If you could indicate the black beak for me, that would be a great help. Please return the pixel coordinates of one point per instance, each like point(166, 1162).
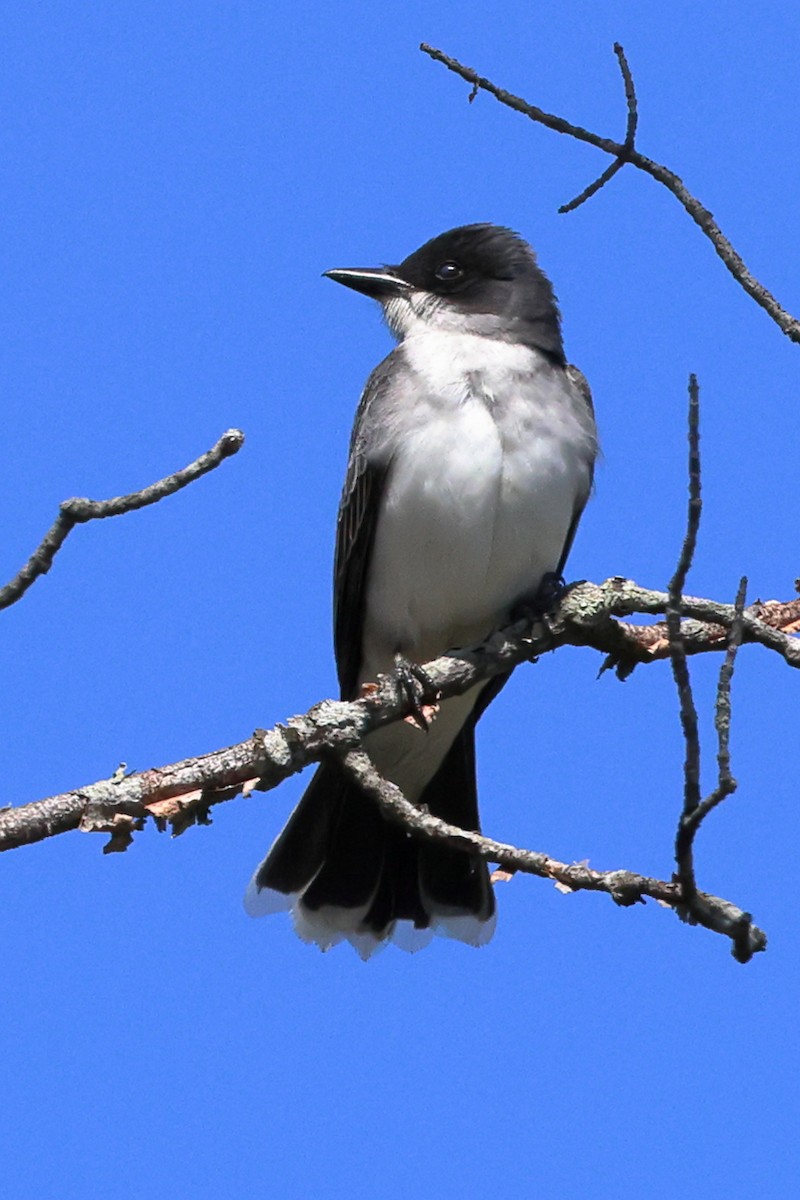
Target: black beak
point(381, 283)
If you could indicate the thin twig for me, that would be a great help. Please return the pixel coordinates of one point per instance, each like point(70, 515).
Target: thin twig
point(677, 652)
point(698, 212)
point(630, 97)
point(78, 511)
point(630, 136)
point(624, 887)
point(593, 187)
point(694, 809)
point(690, 822)
point(726, 784)
point(694, 510)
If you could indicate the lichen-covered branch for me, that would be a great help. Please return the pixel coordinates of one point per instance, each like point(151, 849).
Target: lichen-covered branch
point(182, 793)
point(78, 511)
point(584, 616)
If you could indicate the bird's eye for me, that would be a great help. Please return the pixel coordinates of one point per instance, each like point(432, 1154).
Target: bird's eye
point(448, 271)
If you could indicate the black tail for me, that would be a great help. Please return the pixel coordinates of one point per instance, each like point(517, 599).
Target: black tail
point(352, 874)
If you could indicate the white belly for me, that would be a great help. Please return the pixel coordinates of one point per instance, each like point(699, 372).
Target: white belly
point(478, 507)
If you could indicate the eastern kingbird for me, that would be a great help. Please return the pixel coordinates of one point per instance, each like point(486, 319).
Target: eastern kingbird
point(471, 460)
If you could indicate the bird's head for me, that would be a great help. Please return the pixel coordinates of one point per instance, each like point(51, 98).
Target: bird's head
point(481, 279)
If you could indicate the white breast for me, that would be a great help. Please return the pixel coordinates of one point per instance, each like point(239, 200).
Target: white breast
point(480, 497)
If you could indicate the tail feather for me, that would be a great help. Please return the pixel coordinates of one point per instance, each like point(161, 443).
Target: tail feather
point(453, 883)
point(300, 849)
point(347, 873)
point(350, 875)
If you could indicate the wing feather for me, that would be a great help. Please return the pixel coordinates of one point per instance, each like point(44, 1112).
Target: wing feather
point(581, 386)
point(356, 524)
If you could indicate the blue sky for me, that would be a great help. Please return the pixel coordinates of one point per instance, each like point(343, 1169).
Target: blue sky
point(175, 178)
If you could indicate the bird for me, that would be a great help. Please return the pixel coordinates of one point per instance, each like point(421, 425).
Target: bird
point(471, 460)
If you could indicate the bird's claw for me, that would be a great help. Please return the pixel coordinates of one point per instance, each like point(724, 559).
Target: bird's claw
point(541, 605)
point(419, 691)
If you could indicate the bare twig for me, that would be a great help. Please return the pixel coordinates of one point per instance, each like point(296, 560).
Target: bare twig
point(694, 809)
point(677, 653)
point(624, 887)
point(620, 152)
point(79, 511)
point(726, 784)
point(691, 819)
point(630, 136)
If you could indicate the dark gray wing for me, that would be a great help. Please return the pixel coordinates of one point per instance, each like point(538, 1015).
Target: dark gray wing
point(359, 509)
point(581, 385)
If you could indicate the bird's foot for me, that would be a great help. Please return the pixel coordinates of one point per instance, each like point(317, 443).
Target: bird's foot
point(542, 603)
point(418, 689)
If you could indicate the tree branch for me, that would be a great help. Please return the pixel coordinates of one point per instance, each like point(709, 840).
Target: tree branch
point(79, 511)
point(624, 887)
point(584, 616)
point(182, 793)
point(624, 152)
point(695, 813)
point(693, 907)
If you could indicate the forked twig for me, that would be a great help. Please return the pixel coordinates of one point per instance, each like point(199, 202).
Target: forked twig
point(79, 511)
point(692, 817)
point(630, 136)
point(622, 152)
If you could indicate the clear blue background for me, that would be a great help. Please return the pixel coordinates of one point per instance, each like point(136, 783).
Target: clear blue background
point(175, 177)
